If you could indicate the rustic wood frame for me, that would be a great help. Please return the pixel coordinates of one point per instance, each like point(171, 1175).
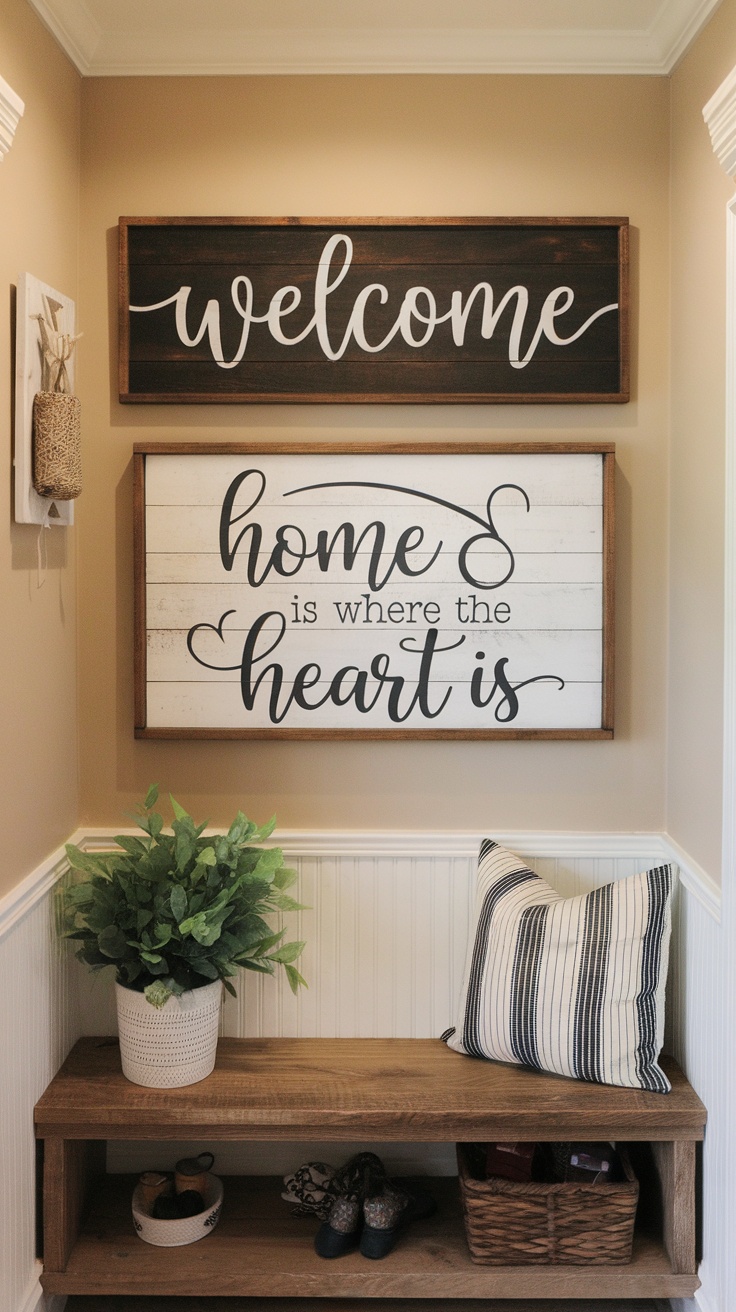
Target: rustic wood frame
point(618, 395)
point(141, 450)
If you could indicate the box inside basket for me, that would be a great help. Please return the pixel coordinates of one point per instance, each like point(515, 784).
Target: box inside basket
point(515, 1223)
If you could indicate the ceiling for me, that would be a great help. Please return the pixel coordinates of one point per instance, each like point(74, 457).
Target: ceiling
point(126, 37)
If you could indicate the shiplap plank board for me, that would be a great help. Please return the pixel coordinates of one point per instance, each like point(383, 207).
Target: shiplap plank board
point(200, 706)
point(550, 528)
point(578, 650)
point(534, 606)
point(552, 480)
point(530, 566)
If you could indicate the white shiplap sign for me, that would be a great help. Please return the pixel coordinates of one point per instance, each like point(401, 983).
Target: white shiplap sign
point(376, 592)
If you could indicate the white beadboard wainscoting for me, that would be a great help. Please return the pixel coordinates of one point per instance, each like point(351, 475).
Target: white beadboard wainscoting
point(38, 1025)
point(386, 930)
point(697, 1035)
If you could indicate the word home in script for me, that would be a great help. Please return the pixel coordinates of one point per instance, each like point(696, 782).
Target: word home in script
point(403, 593)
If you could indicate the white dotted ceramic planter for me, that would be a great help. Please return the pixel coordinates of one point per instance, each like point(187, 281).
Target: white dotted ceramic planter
point(166, 1047)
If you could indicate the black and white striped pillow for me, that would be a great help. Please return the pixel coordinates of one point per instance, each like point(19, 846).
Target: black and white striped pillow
point(574, 986)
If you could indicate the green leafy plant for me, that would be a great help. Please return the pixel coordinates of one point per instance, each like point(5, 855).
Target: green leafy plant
point(174, 911)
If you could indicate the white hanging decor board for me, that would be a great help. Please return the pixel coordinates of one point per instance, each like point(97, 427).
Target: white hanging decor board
point(34, 298)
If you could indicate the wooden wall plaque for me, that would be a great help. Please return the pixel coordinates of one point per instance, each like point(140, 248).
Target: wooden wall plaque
point(389, 591)
point(472, 310)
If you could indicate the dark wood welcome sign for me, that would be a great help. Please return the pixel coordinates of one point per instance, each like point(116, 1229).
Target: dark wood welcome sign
point(374, 591)
point(374, 310)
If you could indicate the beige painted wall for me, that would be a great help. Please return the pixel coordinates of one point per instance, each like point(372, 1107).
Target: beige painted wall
point(383, 145)
point(39, 217)
point(700, 193)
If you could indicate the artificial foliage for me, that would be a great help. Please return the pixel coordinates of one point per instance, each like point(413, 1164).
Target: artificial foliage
point(173, 911)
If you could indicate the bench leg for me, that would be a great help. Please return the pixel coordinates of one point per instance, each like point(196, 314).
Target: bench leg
point(675, 1163)
point(69, 1169)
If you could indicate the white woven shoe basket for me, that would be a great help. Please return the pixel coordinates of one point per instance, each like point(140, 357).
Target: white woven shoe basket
point(182, 1230)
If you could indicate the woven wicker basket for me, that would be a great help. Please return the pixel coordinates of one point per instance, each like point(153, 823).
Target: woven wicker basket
point(512, 1224)
point(57, 461)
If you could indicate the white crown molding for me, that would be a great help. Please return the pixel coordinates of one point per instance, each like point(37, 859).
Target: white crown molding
point(676, 26)
point(11, 112)
point(369, 51)
point(219, 49)
point(720, 119)
point(76, 31)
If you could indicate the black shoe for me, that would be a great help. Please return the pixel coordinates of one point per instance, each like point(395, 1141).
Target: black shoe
point(386, 1214)
point(340, 1234)
point(362, 1176)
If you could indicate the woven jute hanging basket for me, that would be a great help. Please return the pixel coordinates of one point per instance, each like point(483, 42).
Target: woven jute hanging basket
point(57, 459)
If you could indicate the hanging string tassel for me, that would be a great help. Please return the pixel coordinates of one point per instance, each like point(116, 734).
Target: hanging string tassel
point(41, 551)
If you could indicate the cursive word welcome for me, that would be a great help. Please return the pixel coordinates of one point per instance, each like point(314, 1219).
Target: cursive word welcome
point(417, 317)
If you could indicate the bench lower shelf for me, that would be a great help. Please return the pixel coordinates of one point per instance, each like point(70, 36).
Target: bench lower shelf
point(261, 1250)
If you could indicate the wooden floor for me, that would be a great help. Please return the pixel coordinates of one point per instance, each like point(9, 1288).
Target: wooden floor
point(91, 1303)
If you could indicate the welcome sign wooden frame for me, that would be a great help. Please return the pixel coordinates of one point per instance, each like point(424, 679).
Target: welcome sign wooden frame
point(374, 591)
point(452, 310)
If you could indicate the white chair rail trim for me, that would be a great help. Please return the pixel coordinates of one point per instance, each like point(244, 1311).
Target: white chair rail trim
point(439, 842)
point(694, 878)
point(20, 900)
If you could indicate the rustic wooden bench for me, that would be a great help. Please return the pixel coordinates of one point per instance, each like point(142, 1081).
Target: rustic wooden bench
point(364, 1090)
